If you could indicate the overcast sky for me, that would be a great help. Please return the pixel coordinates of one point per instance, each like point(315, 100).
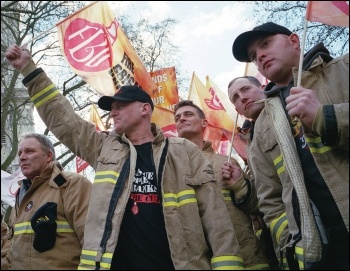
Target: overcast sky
point(205, 33)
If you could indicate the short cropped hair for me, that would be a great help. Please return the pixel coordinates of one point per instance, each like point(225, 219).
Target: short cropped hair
point(251, 79)
point(45, 142)
point(190, 103)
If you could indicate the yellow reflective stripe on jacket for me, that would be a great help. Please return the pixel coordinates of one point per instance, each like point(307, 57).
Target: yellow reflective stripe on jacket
point(106, 176)
point(88, 258)
point(299, 253)
point(279, 164)
point(278, 225)
point(181, 198)
point(258, 233)
point(227, 194)
point(22, 228)
point(316, 146)
point(26, 227)
point(284, 263)
point(227, 263)
point(63, 226)
point(44, 95)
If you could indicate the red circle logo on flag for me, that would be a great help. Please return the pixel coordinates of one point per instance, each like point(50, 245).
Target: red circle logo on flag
point(88, 46)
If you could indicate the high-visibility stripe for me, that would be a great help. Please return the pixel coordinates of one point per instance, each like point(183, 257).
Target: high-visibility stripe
point(227, 194)
point(278, 225)
point(45, 95)
point(22, 228)
point(299, 253)
point(258, 233)
point(285, 264)
point(227, 263)
point(316, 146)
point(26, 228)
point(63, 226)
point(179, 199)
point(106, 176)
point(279, 164)
point(88, 258)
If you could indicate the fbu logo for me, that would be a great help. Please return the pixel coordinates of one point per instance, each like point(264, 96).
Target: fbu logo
point(88, 46)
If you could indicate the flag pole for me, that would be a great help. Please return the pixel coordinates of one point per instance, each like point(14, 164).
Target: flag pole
point(233, 135)
point(301, 59)
point(38, 36)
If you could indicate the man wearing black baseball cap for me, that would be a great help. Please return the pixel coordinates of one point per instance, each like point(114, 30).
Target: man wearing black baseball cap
point(125, 94)
point(151, 194)
point(304, 159)
point(241, 43)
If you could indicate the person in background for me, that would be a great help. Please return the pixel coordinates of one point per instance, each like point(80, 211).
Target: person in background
point(48, 219)
point(300, 152)
point(191, 124)
point(155, 202)
point(247, 95)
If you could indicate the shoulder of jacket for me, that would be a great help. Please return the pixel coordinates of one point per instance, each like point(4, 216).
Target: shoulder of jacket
point(176, 140)
point(69, 176)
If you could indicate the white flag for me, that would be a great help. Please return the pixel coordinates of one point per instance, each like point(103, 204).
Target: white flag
point(9, 186)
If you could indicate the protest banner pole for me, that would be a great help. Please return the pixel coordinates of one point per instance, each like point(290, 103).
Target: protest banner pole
point(38, 36)
point(231, 142)
point(301, 59)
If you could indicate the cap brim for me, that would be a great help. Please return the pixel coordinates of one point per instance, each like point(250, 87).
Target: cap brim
point(240, 45)
point(105, 102)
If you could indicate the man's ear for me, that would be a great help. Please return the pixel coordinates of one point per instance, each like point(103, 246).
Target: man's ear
point(294, 40)
point(146, 107)
point(49, 156)
point(204, 123)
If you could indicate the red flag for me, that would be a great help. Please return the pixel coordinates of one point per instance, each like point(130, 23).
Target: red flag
point(97, 49)
point(328, 12)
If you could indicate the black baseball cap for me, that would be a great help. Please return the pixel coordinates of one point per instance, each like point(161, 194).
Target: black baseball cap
point(125, 94)
point(240, 45)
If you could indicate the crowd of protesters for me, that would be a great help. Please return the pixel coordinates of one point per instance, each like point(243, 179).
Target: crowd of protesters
point(172, 203)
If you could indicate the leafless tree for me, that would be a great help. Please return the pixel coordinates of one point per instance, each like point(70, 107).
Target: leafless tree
point(23, 21)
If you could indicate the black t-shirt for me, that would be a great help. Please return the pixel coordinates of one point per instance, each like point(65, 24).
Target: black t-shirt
point(143, 242)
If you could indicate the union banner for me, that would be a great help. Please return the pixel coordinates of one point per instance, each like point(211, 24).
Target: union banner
point(97, 49)
point(167, 93)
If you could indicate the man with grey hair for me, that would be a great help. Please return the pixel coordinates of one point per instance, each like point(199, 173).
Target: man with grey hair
point(48, 219)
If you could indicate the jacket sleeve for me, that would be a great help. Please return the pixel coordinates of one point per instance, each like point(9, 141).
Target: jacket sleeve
point(76, 201)
point(332, 119)
point(6, 244)
point(57, 113)
point(269, 193)
point(213, 212)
